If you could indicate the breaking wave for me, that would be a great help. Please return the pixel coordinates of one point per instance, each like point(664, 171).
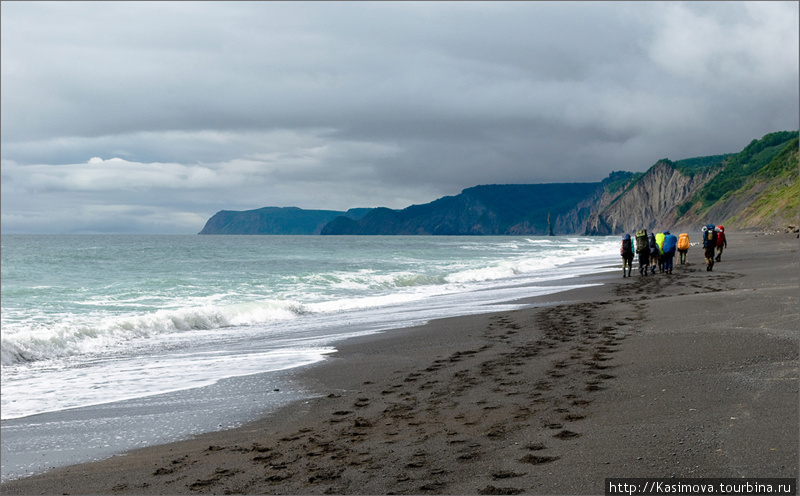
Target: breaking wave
point(110, 321)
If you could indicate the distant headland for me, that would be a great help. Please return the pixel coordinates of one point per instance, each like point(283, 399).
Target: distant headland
point(756, 188)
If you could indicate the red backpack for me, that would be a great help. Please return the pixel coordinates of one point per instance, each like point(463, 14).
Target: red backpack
point(721, 236)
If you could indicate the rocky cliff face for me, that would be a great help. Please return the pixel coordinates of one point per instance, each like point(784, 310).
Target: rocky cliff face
point(650, 203)
point(575, 221)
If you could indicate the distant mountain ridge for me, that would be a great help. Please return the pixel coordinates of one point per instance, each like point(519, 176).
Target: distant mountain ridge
point(481, 210)
point(275, 220)
point(755, 188)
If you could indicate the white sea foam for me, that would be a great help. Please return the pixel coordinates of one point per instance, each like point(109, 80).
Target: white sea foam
point(113, 381)
point(72, 335)
point(86, 335)
point(246, 299)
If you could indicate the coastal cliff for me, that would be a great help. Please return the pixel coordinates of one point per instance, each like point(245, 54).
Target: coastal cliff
point(650, 202)
point(756, 188)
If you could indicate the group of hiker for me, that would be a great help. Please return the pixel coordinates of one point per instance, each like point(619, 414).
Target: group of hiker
point(658, 250)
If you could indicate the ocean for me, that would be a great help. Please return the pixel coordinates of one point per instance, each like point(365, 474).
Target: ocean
point(112, 342)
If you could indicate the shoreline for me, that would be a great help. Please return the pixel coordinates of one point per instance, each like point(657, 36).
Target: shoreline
point(688, 375)
point(39, 443)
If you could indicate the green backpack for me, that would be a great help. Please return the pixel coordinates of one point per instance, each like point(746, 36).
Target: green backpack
point(641, 241)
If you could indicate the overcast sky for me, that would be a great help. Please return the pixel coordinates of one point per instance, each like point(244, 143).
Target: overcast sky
point(149, 117)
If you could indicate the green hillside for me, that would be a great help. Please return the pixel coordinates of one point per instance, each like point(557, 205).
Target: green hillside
point(773, 193)
point(743, 172)
point(737, 169)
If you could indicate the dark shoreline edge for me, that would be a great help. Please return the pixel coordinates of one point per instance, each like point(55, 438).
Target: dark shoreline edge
point(688, 376)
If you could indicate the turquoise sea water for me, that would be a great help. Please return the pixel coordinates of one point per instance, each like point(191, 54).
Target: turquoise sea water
point(94, 320)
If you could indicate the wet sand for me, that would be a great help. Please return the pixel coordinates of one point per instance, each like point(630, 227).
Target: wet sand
point(693, 374)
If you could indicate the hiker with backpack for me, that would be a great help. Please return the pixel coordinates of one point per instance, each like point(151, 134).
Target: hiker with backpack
point(660, 244)
point(627, 254)
point(683, 247)
point(655, 253)
point(643, 250)
point(669, 246)
point(721, 242)
point(709, 245)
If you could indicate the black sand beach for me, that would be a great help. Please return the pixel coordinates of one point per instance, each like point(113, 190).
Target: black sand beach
point(693, 374)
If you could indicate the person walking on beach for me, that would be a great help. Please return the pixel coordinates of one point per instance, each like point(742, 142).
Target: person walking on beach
point(627, 254)
point(709, 245)
point(669, 246)
point(721, 242)
point(660, 244)
point(655, 254)
point(643, 250)
point(683, 247)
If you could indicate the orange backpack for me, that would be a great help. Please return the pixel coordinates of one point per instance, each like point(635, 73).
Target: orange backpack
point(683, 241)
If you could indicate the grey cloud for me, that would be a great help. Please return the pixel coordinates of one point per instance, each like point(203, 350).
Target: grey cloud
point(334, 105)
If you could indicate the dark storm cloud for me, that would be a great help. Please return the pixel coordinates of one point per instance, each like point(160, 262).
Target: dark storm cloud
point(161, 113)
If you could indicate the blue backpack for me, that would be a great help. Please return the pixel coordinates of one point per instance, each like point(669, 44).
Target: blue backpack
point(670, 242)
point(709, 236)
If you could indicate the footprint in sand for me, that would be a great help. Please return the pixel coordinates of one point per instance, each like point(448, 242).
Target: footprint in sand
point(500, 490)
point(565, 434)
point(176, 464)
point(266, 458)
point(337, 416)
point(506, 475)
point(217, 476)
point(538, 459)
point(594, 384)
point(361, 422)
point(326, 475)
